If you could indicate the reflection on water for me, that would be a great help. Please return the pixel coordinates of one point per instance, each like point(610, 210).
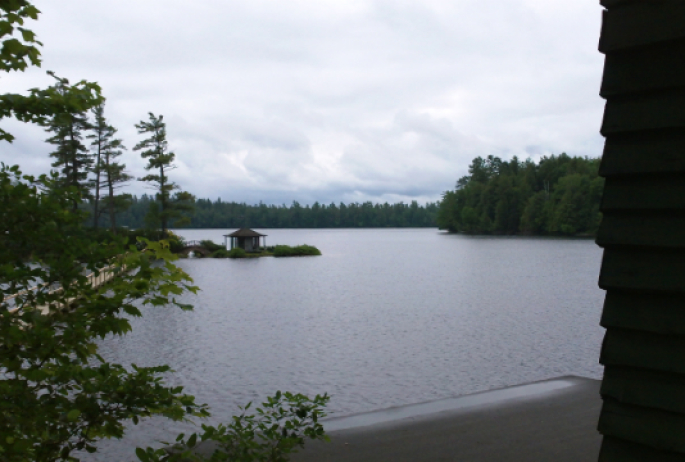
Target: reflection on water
point(386, 317)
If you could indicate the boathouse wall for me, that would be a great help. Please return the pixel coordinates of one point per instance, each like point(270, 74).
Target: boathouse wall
point(643, 231)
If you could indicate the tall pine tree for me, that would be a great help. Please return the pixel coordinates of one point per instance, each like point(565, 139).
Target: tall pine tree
point(168, 208)
point(71, 155)
point(109, 174)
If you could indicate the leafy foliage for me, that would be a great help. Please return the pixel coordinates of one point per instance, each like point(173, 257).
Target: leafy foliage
point(559, 195)
point(296, 251)
point(279, 428)
point(17, 51)
point(211, 245)
point(59, 395)
point(221, 253)
point(237, 252)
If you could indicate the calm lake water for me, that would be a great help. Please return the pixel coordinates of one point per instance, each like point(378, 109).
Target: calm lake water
point(386, 317)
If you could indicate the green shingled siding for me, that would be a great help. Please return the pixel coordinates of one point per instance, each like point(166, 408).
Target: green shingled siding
point(643, 231)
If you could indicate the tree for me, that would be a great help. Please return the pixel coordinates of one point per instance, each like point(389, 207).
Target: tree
point(70, 153)
point(106, 149)
point(16, 54)
point(58, 394)
point(155, 148)
point(559, 195)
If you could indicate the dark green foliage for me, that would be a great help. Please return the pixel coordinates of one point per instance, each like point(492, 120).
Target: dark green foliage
point(58, 394)
point(211, 246)
point(40, 106)
point(220, 253)
point(171, 205)
point(227, 215)
point(237, 252)
point(109, 174)
point(296, 251)
point(277, 429)
point(558, 196)
point(71, 155)
point(20, 51)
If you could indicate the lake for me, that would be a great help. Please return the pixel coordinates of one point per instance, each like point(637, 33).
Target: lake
point(386, 317)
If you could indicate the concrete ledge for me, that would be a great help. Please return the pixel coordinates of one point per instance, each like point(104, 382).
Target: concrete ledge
point(553, 420)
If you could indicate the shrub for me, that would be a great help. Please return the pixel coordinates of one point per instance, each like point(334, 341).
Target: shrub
point(278, 428)
point(305, 249)
point(297, 251)
point(283, 251)
point(237, 253)
point(221, 253)
point(176, 244)
point(211, 246)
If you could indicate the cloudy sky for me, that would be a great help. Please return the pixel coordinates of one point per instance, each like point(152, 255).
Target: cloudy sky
point(328, 100)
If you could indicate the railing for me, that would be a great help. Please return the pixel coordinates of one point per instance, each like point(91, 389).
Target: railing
point(103, 276)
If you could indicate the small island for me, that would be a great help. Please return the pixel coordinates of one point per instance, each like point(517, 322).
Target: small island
point(244, 243)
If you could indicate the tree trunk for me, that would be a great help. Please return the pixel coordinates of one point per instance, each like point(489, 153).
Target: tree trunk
point(96, 201)
point(74, 161)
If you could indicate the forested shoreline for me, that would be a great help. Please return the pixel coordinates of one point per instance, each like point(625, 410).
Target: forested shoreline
point(559, 195)
point(221, 214)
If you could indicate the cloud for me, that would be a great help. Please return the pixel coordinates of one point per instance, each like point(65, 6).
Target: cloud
point(329, 100)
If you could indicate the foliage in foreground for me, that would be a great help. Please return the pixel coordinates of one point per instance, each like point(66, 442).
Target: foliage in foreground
point(59, 394)
point(279, 428)
point(559, 195)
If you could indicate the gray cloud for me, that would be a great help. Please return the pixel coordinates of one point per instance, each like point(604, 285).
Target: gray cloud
point(329, 101)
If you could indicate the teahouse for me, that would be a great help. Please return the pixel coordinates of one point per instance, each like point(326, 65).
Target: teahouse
point(245, 238)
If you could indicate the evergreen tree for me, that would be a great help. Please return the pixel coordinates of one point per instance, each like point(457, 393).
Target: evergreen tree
point(167, 207)
point(109, 174)
point(101, 136)
point(559, 195)
point(72, 156)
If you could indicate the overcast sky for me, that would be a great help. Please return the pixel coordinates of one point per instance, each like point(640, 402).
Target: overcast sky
point(328, 100)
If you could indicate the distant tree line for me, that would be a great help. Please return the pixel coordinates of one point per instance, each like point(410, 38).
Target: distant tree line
point(220, 214)
point(559, 195)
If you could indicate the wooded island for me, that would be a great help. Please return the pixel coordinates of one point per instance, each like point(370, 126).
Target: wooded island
point(559, 195)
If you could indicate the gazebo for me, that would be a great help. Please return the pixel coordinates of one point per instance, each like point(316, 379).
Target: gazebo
point(245, 238)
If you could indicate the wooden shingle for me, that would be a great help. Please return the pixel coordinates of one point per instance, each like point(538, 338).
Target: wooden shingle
point(643, 231)
point(639, 23)
point(644, 153)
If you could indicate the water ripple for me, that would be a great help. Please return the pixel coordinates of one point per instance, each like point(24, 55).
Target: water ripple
point(384, 318)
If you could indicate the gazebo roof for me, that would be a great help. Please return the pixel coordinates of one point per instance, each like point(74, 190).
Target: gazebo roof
point(244, 232)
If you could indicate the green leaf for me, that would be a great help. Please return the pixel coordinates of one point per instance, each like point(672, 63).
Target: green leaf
point(142, 455)
point(73, 415)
